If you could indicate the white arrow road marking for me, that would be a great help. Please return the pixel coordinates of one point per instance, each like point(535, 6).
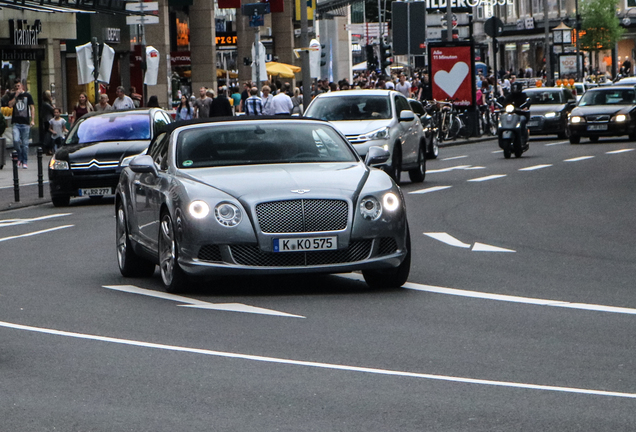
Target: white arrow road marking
point(35, 233)
point(330, 366)
point(490, 177)
point(230, 307)
point(448, 239)
point(536, 167)
point(505, 298)
point(454, 157)
point(452, 241)
point(576, 159)
point(12, 222)
point(620, 151)
point(431, 189)
point(480, 247)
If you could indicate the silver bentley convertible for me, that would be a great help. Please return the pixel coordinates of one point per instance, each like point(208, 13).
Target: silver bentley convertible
point(258, 195)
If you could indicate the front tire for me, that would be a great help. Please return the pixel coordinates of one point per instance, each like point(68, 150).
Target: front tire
point(575, 139)
point(61, 201)
point(433, 150)
point(391, 278)
point(395, 170)
point(174, 279)
point(130, 264)
point(418, 174)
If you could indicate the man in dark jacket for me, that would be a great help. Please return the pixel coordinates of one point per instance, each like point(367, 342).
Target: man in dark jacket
point(519, 100)
point(221, 106)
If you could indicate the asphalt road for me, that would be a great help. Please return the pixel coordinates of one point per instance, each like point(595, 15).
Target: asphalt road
point(519, 315)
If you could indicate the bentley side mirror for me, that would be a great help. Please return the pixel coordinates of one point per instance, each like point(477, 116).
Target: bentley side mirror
point(377, 155)
point(143, 164)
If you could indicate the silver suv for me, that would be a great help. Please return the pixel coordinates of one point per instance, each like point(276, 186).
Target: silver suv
point(377, 118)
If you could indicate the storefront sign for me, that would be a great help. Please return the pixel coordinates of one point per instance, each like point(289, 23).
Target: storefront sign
point(451, 72)
point(23, 34)
point(112, 35)
point(466, 5)
point(8, 54)
point(226, 39)
point(180, 58)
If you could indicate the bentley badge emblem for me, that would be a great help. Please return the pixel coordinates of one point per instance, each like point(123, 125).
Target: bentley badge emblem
point(300, 191)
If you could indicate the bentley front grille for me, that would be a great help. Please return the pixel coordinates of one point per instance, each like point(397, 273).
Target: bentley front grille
point(210, 253)
point(302, 215)
point(251, 255)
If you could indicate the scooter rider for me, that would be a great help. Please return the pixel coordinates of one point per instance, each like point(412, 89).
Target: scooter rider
point(520, 101)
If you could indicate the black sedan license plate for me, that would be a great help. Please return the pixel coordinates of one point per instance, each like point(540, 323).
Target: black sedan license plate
point(301, 244)
point(95, 191)
point(533, 123)
point(597, 127)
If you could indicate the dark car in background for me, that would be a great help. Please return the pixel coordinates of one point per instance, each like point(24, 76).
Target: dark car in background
point(430, 129)
point(96, 150)
point(603, 112)
point(549, 110)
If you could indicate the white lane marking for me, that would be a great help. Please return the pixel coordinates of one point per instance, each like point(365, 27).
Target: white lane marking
point(35, 233)
point(454, 157)
point(330, 366)
point(576, 159)
point(441, 170)
point(497, 151)
point(448, 239)
point(536, 167)
point(557, 143)
point(490, 177)
point(480, 247)
point(12, 222)
point(505, 298)
point(475, 168)
point(620, 151)
point(431, 189)
point(192, 303)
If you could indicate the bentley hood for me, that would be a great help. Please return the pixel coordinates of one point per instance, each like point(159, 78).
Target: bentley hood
point(283, 181)
point(102, 151)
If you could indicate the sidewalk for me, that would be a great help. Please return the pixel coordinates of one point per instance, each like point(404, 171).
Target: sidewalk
point(28, 182)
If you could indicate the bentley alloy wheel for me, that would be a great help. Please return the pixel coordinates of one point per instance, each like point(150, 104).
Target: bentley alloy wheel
point(130, 264)
point(171, 274)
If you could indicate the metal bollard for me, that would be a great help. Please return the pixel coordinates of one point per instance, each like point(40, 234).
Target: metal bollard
point(40, 176)
point(16, 180)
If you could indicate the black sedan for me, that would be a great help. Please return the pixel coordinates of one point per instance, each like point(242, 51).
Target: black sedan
point(429, 126)
point(603, 112)
point(97, 148)
point(549, 110)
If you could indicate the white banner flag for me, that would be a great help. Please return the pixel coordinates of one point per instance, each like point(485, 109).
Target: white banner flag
point(152, 66)
point(261, 63)
point(106, 64)
point(85, 66)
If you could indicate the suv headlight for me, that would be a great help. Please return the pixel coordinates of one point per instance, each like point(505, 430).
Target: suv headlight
point(55, 164)
point(577, 119)
point(228, 214)
point(620, 118)
point(382, 133)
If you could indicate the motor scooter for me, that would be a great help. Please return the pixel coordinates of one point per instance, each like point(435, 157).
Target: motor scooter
point(512, 136)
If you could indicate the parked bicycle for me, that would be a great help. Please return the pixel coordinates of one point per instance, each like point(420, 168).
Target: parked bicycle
point(449, 122)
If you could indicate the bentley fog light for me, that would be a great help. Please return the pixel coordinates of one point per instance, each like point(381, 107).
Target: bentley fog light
point(198, 209)
point(228, 214)
point(620, 118)
point(391, 201)
point(55, 164)
point(370, 208)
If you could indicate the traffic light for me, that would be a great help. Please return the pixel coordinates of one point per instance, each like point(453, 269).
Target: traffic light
point(372, 61)
point(323, 54)
point(386, 54)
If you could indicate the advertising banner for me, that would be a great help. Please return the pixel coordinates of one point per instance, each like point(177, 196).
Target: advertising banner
point(152, 66)
point(85, 66)
point(452, 73)
point(567, 64)
point(106, 64)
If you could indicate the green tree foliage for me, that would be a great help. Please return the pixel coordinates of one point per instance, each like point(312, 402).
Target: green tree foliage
point(601, 25)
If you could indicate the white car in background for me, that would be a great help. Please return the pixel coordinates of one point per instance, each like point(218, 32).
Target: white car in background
point(382, 118)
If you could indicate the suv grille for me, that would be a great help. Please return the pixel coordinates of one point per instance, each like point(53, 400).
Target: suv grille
point(356, 139)
point(306, 215)
point(251, 255)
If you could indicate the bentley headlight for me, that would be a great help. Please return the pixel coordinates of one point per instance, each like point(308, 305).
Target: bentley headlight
point(382, 133)
point(370, 208)
point(620, 118)
point(228, 214)
point(576, 119)
point(551, 115)
point(199, 209)
point(510, 108)
point(391, 201)
point(56, 164)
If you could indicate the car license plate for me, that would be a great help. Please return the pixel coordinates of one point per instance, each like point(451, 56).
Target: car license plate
point(533, 124)
point(597, 127)
point(95, 191)
point(305, 244)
